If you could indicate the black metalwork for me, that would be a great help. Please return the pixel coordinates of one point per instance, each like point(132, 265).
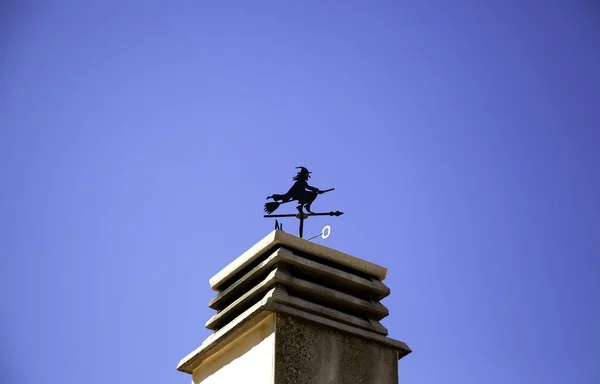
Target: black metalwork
point(304, 194)
point(278, 225)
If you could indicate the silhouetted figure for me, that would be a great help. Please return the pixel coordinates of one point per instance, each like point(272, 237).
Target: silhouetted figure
point(300, 191)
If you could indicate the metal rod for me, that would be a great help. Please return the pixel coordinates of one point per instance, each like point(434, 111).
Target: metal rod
point(282, 215)
point(310, 238)
point(301, 225)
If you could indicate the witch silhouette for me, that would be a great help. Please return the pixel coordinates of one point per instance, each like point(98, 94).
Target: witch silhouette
point(301, 192)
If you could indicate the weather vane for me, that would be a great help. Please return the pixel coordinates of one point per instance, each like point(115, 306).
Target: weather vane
point(304, 194)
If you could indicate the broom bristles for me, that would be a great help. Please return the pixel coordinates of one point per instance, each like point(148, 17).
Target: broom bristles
point(271, 207)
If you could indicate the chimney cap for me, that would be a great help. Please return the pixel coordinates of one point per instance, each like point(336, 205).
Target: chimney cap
point(281, 238)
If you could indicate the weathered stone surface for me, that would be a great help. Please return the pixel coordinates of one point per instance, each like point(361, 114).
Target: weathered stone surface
point(335, 299)
point(246, 300)
point(293, 311)
point(344, 281)
point(307, 352)
point(314, 292)
point(399, 346)
point(248, 358)
point(281, 296)
point(224, 336)
point(295, 243)
point(258, 312)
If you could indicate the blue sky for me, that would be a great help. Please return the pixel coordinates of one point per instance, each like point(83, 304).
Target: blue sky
point(139, 139)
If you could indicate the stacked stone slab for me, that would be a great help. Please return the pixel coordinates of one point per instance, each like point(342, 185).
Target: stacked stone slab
point(322, 307)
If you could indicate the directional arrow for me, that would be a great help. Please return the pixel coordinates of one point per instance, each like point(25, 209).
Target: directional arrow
point(336, 213)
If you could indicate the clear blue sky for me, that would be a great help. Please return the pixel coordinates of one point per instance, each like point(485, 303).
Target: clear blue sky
point(139, 139)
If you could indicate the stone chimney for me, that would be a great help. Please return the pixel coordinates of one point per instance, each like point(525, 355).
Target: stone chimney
point(293, 311)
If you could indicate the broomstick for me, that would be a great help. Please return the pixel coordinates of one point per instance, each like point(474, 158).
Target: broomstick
point(270, 207)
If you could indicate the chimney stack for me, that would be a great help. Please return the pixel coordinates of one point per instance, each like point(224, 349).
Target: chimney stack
point(293, 311)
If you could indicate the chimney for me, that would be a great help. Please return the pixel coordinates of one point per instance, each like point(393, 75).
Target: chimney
point(293, 311)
